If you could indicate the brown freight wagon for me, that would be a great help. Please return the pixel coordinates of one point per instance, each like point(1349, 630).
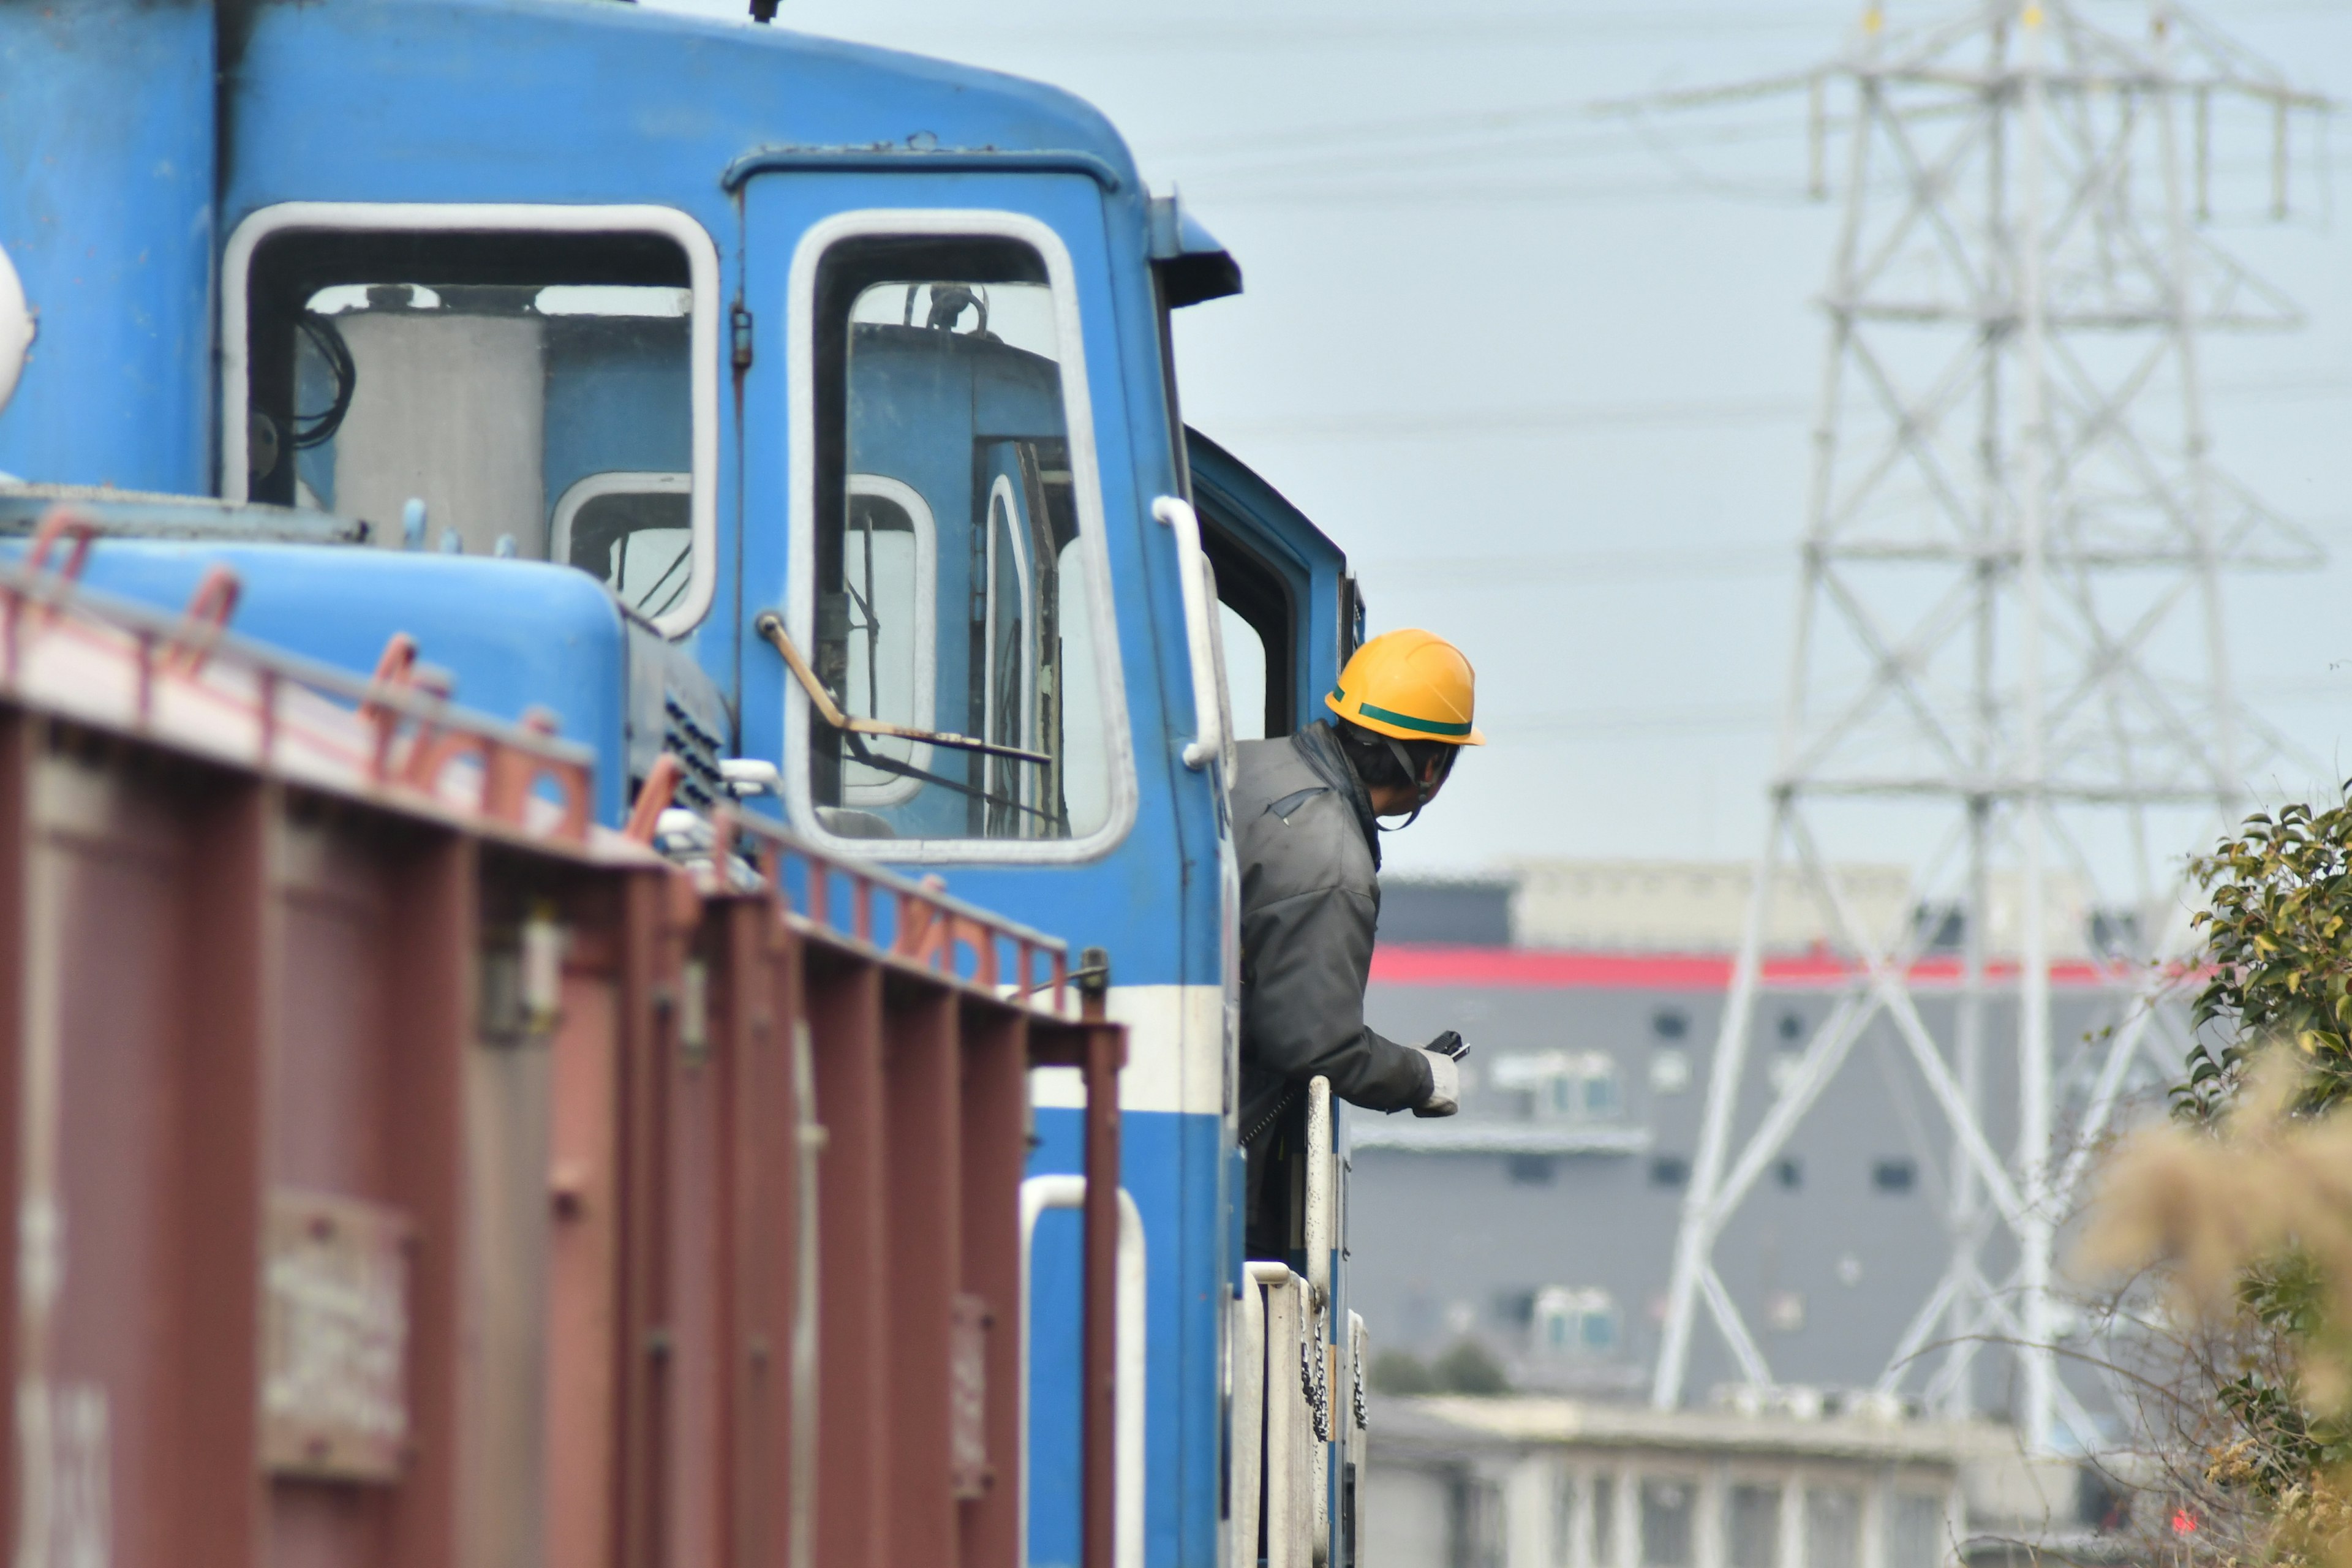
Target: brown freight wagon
point(408, 1173)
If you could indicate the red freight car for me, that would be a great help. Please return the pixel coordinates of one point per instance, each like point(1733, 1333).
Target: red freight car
point(408, 1173)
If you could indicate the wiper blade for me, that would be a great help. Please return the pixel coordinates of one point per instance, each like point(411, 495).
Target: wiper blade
point(770, 629)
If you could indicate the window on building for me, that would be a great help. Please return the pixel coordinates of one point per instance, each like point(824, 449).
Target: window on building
point(534, 390)
point(1567, 1505)
point(1894, 1176)
point(1670, 1070)
point(1790, 1172)
point(950, 574)
point(1563, 1085)
point(1752, 1527)
point(1792, 1027)
point(1833, 1528)
point(1668, 1503)
point(1474, 1522)
point(1530, 1170)
point(1780, 1069)
point(1669, 1170)
point(1602, 1101)
point(1914, 1531)
point(1574, 1323)
point(1670, 1024)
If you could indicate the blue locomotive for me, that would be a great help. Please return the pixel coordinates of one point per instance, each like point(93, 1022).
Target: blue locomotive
point(749, 398)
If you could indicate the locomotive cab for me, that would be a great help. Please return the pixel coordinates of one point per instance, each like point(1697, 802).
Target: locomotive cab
point(777, 401)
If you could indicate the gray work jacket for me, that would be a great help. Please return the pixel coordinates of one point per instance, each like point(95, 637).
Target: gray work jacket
point(1303, 830)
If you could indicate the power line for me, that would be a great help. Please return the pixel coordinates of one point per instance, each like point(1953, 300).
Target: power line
point(1606, 141)
point(1595, 567)
point(1394, 425)
point(1355, 32)
point(1506, 729)
point(1522, 421)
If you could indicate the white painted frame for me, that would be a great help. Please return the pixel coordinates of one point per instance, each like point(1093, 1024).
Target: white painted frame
point(1016, 523)
point(610, 482)
point(909, 499)
point(1085, 479)
point(500, 217)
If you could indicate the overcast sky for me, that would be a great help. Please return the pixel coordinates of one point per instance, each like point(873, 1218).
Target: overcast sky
point(1545, 375)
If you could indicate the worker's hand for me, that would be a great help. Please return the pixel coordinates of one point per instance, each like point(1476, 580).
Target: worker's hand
point(1445, 1077)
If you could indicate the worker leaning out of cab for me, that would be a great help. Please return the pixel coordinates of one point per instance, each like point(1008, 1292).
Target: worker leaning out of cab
point(1305, 827)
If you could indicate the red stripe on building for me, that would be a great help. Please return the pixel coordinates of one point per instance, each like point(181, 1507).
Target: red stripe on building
point(1516, 968)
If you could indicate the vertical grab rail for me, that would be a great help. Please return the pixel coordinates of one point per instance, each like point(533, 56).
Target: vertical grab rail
point(1289, 1431)
point(1039, 1193)
point(1208, 743)
point(1284, 1404)
point(1320, 1185)
point(1248, 1367)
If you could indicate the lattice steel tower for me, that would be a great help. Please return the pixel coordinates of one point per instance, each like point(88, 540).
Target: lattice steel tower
point(2009, 640)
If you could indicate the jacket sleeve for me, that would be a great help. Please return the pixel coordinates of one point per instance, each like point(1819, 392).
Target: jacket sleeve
point(1307, 959)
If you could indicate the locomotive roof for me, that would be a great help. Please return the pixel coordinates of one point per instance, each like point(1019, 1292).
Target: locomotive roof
point(561, 100)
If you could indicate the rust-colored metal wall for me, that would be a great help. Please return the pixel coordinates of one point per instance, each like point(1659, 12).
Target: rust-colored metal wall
point(397, 1186)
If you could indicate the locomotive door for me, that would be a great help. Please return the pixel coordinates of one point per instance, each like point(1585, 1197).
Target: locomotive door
point(1291, 615)
point(951, 449)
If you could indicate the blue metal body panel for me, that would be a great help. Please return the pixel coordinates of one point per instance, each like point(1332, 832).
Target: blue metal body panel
point(106, 213)
point(516, 634)
point(1151, 900)
point(1231, 496)
point(1167, 1156)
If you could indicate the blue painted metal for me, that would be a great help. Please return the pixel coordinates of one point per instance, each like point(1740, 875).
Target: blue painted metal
point(515, 634)
point(1194, 264)
point(106, 211)
point(918, 160)
point(1231, 496)
point(137, 134)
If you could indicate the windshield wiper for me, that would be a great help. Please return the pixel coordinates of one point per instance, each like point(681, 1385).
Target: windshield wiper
point(769, 625)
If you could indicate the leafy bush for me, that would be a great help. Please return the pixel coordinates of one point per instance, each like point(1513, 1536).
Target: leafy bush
point(1469, 1369)
point(2244, 1204)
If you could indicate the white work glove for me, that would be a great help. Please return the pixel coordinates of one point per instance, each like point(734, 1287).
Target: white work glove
point(1444, 1096)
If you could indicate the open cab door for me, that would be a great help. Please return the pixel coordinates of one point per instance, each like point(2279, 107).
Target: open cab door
point(1289, 616)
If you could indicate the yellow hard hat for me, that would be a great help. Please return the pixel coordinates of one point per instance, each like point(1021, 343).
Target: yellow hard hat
point(1414, 685)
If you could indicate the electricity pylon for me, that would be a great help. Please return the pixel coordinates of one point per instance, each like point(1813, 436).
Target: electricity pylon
point(2009, 624)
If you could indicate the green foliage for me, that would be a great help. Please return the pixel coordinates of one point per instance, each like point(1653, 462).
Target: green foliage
point(2279, 937)
point(1469, 1369)
point(1464, 1369)
point(1396, 1372)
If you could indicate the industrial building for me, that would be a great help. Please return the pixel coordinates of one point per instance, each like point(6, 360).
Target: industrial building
point(1540, 1223)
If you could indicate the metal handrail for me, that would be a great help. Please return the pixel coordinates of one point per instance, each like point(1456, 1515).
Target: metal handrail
point(37, 602)
point(1039, 1193)
point(1319, 1191)
point(1208, 741)
point(930, 927)
point(1280, 1411)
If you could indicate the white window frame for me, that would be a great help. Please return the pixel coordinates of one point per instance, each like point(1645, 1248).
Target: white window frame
point(500, 217)
point(594, 487)
point(1001, 494)
point(1086, 476)
point(909, 499)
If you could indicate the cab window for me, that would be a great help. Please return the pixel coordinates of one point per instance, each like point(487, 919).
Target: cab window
point(951, 581)
point(533, 390)
point(1260, 626)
